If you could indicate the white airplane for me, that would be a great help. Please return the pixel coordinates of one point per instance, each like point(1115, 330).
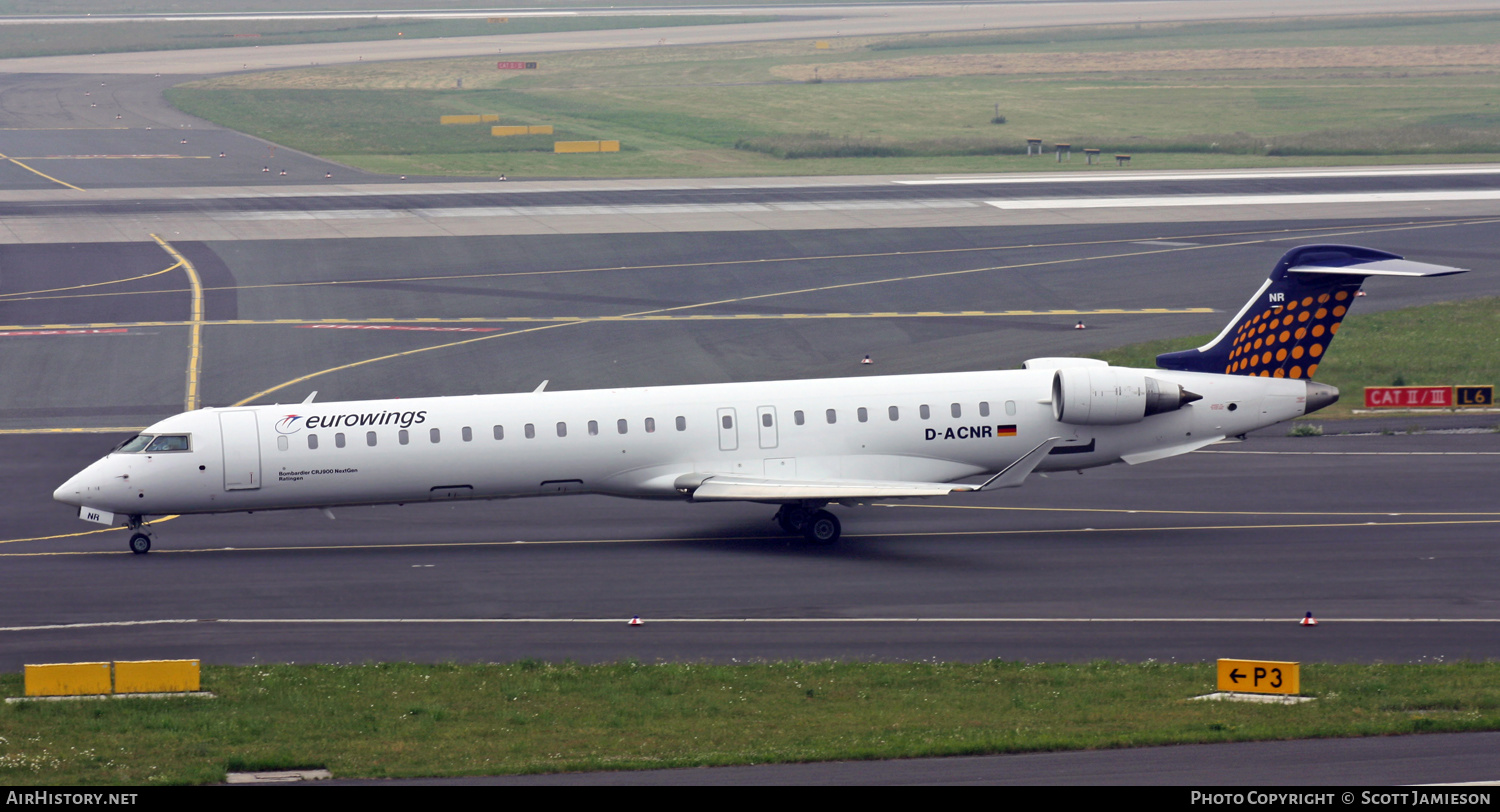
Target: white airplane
point(799, 444)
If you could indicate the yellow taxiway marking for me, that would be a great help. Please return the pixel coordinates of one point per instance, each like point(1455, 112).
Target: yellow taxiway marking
point(107, 157)
point(1302, 233)
point(79, 430)
point(172, 267)
point(354, 325)
point(86, 532)
point(1172, 249)
point(727, 539)
point(195, 338)
point(38, 172)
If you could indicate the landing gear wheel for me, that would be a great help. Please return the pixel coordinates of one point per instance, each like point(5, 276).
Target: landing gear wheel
point(824, 528)
point(140, 543)
point(793, 520)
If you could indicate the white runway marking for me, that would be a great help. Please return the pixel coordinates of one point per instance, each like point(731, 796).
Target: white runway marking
point(1323, 621)
point(1249, 174)
point(568, 211)
point(1159, 201)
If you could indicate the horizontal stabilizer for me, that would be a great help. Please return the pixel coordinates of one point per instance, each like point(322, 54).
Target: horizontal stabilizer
point(1381, 267)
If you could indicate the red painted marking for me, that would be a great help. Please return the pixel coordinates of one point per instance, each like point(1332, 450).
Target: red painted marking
point(1407, 397)
point(9, 333)
point(399, 327)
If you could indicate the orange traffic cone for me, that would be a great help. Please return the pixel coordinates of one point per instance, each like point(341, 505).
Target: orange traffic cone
point(1309, 620)
point(636, 621)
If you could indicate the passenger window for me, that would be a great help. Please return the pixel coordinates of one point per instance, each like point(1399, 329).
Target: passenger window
point(798, 418)
point(499, 432)
point(650, 425)
point(468, 434)
point(593, 427)
point(864, 415)
point(833, 416)
point(1010, 407)
point(621, 426)
point(370, 439)
point(530, 431)
point(957, 410)
point(168, 442)
point(562, 429)
point(681, 423)
point(338, 439)
point(312, 441)
point(281, 442)
point(765, 420)
point(435, 436)
point(926, 412)
point(728, 421)
point(984, 408)
point(403, 437)
point(895, 414)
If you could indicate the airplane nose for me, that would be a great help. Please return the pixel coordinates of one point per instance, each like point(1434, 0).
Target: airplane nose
point(70, 492)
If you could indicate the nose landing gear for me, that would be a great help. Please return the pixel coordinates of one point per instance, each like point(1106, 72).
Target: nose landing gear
point(140, 539)
point(816, 525)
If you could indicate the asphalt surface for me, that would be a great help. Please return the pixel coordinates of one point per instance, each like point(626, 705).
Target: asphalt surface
point(1387, 538)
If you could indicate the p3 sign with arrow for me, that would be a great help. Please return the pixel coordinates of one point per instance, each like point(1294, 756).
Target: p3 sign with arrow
point(1260, 677)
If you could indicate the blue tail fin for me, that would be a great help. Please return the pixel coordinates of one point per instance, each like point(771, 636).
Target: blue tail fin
point(1285, 328)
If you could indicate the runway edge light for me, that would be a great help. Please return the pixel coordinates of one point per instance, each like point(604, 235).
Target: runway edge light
point(1309, 620)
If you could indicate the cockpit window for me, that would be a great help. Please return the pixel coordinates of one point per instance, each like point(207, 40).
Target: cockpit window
point(168, 442)
point(136, 443)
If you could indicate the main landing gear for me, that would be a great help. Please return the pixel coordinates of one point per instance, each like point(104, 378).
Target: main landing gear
point(812, 523)
point(140, 538)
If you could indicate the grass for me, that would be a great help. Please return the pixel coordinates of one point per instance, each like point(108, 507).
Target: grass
point(1434, 345)
point(392, 720)
point(1287, 93)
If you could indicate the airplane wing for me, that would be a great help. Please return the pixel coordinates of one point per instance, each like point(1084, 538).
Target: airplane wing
point(734, 488)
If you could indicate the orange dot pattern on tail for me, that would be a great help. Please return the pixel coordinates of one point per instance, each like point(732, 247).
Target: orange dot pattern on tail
point(1287, 340)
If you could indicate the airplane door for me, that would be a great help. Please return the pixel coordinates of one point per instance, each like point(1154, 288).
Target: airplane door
point(240, 438)
point(729, 433)
point(765, 419)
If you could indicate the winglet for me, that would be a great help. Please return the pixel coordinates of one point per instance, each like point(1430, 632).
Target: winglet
point(541, 386)
point(1016, 473)
point(310, 396)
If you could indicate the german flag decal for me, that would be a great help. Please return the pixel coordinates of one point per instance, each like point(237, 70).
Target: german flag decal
point(1005, 431)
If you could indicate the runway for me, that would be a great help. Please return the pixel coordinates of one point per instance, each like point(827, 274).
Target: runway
point(136, 287)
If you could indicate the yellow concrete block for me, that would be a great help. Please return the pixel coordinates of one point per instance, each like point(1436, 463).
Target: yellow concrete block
point(821, 45)
point(609, 146)
point(486, 118)
point(463, 119)
point(155, 676)
point(540, 129)
point(575, 146)
point(509, 129)
point(67, 679)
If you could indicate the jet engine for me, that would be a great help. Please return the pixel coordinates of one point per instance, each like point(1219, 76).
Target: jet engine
point(1111, 396)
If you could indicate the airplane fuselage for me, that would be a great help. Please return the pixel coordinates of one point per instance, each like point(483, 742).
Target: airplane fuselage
point(641, 442)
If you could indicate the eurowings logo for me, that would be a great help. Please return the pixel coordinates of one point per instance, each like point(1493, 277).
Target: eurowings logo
point(289, 424)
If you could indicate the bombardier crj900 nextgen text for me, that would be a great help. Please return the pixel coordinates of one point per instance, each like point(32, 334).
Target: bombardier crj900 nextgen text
point(799, 444)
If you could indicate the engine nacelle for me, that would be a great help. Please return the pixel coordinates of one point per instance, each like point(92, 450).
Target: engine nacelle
point(1112, 396)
